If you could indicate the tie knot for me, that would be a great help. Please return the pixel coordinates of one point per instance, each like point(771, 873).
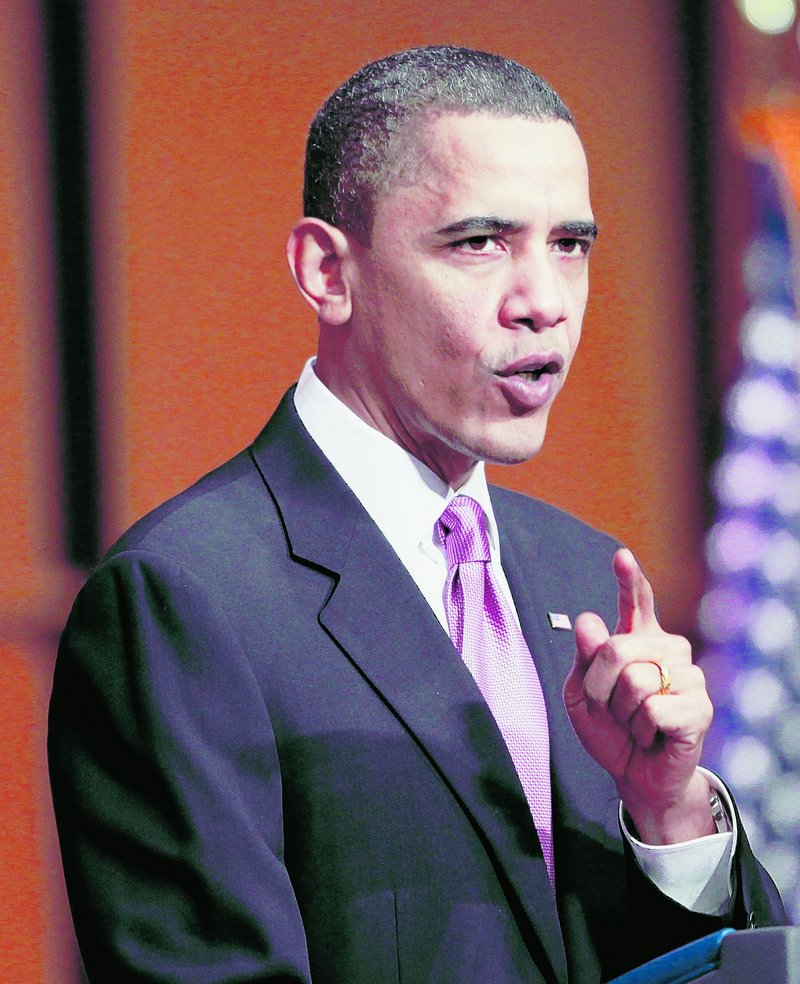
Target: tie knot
point(462, 528)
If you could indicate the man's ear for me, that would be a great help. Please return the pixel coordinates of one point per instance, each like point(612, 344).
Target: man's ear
point(316, 252)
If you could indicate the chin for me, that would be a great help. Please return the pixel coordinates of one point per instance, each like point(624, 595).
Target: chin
point(516, 456)
point(511, 445)
point(509, 451)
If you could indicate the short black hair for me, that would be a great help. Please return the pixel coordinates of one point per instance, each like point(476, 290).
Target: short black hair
point(349, 154)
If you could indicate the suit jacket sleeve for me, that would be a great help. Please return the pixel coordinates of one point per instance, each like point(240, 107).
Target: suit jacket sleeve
point(167, 789)
point(755, 902)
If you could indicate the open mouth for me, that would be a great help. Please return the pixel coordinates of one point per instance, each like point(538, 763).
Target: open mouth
point(548, 369)
point(530, 371)
point(531, 382)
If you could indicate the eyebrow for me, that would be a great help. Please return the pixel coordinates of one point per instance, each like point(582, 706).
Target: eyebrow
point(479, 223)
point(474, 224)
point(586, 230)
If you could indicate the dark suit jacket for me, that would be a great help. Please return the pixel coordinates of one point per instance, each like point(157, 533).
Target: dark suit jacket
point(269, 762)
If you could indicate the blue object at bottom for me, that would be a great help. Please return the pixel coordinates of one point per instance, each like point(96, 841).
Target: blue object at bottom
point(687, 963)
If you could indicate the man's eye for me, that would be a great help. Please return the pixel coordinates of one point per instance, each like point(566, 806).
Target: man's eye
point(476, 244)
point(571, 246)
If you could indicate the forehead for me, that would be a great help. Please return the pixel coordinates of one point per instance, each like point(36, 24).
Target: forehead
point(477, 163)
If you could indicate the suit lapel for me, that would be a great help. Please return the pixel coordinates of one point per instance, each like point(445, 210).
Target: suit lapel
point(380, 621)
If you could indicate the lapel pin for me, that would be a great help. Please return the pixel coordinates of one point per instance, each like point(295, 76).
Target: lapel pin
point(559, 621)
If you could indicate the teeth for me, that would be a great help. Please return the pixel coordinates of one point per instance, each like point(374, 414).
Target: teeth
point(549, 368)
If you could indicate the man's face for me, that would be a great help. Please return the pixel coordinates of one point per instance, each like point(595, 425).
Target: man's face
point(468, 302)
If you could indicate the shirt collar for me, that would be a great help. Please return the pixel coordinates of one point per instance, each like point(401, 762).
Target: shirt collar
point(401, 494)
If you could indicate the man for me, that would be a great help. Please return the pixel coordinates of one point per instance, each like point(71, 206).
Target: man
point(286, 735)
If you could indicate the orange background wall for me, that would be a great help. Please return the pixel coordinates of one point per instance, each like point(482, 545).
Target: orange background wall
point(35, 584)
point(208, 125)
point(198, 113)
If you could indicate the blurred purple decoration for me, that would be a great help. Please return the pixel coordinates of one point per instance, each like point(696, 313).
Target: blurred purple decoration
point(750, 615)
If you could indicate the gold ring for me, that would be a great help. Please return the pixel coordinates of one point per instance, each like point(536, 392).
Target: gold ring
point(666, 679)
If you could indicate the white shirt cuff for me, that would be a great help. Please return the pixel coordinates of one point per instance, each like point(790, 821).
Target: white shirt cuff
point(697, 873)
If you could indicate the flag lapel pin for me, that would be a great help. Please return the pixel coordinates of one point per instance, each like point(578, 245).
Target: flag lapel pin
point(559, 621)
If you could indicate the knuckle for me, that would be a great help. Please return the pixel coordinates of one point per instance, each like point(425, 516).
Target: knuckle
point(696, 677)
point(648, 709)
point(622, 651)
point(629, 679)
point(680, 648)
point(638, 679)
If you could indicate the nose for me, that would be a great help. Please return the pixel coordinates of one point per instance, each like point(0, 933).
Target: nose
point(537, 294)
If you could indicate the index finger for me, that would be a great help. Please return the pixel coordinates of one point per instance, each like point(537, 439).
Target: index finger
point(636, 604)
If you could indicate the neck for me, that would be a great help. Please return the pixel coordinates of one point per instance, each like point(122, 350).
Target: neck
point(451, 466)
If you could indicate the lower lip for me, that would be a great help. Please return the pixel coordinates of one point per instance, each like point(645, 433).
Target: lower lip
point(529, 394)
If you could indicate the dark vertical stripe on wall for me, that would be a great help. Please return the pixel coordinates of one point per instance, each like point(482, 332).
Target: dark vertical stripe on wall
point(697, 39)
point(66, 62)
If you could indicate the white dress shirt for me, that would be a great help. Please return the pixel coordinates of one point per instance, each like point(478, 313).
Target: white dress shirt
point(405, 499)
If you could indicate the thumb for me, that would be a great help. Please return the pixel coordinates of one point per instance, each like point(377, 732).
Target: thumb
point(590, 634)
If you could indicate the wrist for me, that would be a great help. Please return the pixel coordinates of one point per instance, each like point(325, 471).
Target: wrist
point(684, 818)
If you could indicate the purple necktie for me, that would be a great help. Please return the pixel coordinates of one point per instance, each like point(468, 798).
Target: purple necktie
point(484, 630)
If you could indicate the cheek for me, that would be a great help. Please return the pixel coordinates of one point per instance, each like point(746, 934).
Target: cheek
point(574, 324)
point(574, 337)
point(452, 363)
point(441, 332)
point(462, 332)
point(430, 330)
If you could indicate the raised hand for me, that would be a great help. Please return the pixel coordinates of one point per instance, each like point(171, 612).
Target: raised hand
point(649, 742)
